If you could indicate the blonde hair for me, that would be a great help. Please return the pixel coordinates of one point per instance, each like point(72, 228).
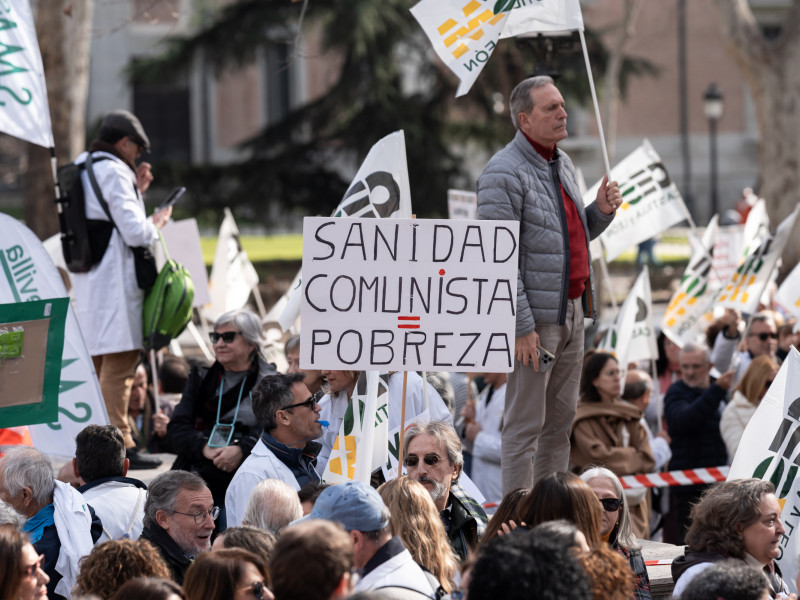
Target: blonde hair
point(417, 522)
point(755, 378)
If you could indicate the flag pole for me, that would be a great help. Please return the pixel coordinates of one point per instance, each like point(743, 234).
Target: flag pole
point(402, 425)
point(594, 101)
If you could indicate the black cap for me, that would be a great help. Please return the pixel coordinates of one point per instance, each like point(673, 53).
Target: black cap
point(127, 123)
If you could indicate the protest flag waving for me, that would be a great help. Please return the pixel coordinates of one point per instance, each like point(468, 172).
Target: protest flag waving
point(380, 189)
point(788, 295)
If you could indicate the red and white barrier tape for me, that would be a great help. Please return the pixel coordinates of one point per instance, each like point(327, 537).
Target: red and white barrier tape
point(675, 478)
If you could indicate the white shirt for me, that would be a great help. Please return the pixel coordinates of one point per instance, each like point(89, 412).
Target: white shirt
point(486, 447)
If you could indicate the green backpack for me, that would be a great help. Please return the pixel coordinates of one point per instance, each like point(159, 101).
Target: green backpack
point(168, 305)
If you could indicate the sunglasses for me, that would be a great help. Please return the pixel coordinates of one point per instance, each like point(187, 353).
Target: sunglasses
point(764, 336)
point(611, 504)
point(257, 588)
point(412, 460)
point(31, 570)
point(309, 403)
point(226, 337)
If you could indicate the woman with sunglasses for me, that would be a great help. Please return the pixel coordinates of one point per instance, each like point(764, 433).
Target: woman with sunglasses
point(229, 574)
point(616, 527)
point(608, 431)
point(21, 568)
point(213, 428)
point(747, 395)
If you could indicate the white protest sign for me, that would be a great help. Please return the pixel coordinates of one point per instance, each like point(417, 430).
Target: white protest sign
point(27, 273)
point(768, 451)
point(183, 243)
point(462, 204)
point(409, 295)
point(651, 201)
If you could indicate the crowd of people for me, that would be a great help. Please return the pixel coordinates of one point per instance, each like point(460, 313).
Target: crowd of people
point(245, 510)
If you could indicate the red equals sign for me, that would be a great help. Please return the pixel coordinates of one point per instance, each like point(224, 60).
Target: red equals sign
point(408, 325)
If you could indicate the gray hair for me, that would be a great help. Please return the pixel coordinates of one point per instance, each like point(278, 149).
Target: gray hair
point(759, 318)
point(247, 323)
point(292, 344)
point(521, 100)
point(625, 535)
point(23, 467)
point(9, 516)
point(162, 493)
point(442, 432)
point(272, 505)
point(695, 347)
point(272, 393)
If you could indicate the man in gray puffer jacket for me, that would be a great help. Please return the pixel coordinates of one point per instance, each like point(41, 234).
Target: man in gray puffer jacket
point(533, 182)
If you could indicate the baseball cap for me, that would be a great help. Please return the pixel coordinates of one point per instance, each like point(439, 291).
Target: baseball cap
point(357, 506)
point(129, 124)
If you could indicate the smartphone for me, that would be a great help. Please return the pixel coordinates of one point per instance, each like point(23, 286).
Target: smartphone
point(546, 359)
point(172, 197)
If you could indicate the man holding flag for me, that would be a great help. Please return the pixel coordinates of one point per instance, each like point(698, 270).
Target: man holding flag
point(534, 182)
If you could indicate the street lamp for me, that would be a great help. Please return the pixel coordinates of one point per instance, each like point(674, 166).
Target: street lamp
point(713, 107)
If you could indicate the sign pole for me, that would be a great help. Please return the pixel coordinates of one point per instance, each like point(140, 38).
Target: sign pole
point(402, 425)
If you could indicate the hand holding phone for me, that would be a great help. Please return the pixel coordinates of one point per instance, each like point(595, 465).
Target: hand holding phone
point(172, 197)
point(546, 359)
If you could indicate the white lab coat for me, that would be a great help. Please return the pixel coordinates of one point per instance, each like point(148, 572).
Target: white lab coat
point(415, 400)
point(486, 447)
point(108, 301)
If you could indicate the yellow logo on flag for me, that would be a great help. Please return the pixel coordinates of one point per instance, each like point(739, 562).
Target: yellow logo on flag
point(472, 28)
point(350, 453)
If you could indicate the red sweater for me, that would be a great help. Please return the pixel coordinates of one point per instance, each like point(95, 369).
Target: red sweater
point(578, 251)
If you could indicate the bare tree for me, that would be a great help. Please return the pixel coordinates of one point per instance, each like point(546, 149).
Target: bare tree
point(63, 28)
point(770, 68)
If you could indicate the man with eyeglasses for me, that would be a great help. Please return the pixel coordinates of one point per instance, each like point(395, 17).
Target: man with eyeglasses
point(433, 457)
point(287, 451)
point(761, 339)
point(178, 519)
point(692, 410)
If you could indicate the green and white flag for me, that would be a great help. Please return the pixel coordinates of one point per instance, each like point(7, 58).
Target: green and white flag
point(535, 16)
point(24, 111)
point(651, 202)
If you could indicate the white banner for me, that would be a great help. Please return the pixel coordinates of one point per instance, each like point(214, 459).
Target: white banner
point(380, 189)
point(632, 336)
point(462, 204)
point(409, 295)
point(232, 274)
point(183, 244)
point(743, 291)
point(359, 450)
point(27, 273)
point(788, 296)
point(534, 16)
point(24, 111)
point(651, 201)
point(687, 314)
point(728, 250)
point(768, 451)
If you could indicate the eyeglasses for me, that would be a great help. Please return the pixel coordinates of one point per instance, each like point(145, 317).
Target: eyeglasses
point(412, 460)
point(309, 403)
point(611, 504)
point(257, 588)
point(31, 570)
point(764, 336)
point(200, 516)
point(226, 336)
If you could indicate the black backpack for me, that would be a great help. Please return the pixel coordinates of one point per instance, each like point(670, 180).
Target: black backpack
point(83, 241)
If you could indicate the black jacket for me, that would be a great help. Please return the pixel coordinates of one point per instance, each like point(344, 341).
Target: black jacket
point(172, 554)
point(692, 416)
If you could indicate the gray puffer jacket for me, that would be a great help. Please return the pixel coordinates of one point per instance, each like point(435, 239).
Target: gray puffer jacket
point(517, 185)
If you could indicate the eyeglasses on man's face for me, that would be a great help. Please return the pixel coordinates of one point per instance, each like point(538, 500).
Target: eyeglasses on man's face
point(200, 516)
point(765, 335)
point(412, 460)
point(309, 403)
point(226, 336)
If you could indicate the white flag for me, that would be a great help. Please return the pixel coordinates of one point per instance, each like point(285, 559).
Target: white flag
point(380, 189)
point(463, 34)
point(651, 201)
point(632, 336)
point(768, 449)
point(24, 111)
point(360, 447)
point(27, 273)
point(743, 291)
point(233, 276)
point(728, 249)
point(687, 314)
point(788, 296)
point(534, 16)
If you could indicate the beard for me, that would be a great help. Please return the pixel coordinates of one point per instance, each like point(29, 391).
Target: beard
point(439, 488)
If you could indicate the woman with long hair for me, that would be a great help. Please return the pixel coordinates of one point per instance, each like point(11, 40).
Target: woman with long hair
point(229, 574)
point(608, 431)
point(21, 568)
point(747, 395)
point(616, 526)
point(416, 521)
point(506, 514)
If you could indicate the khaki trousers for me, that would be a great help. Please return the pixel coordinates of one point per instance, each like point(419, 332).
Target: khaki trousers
point(115, 373)
point(540, 407)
